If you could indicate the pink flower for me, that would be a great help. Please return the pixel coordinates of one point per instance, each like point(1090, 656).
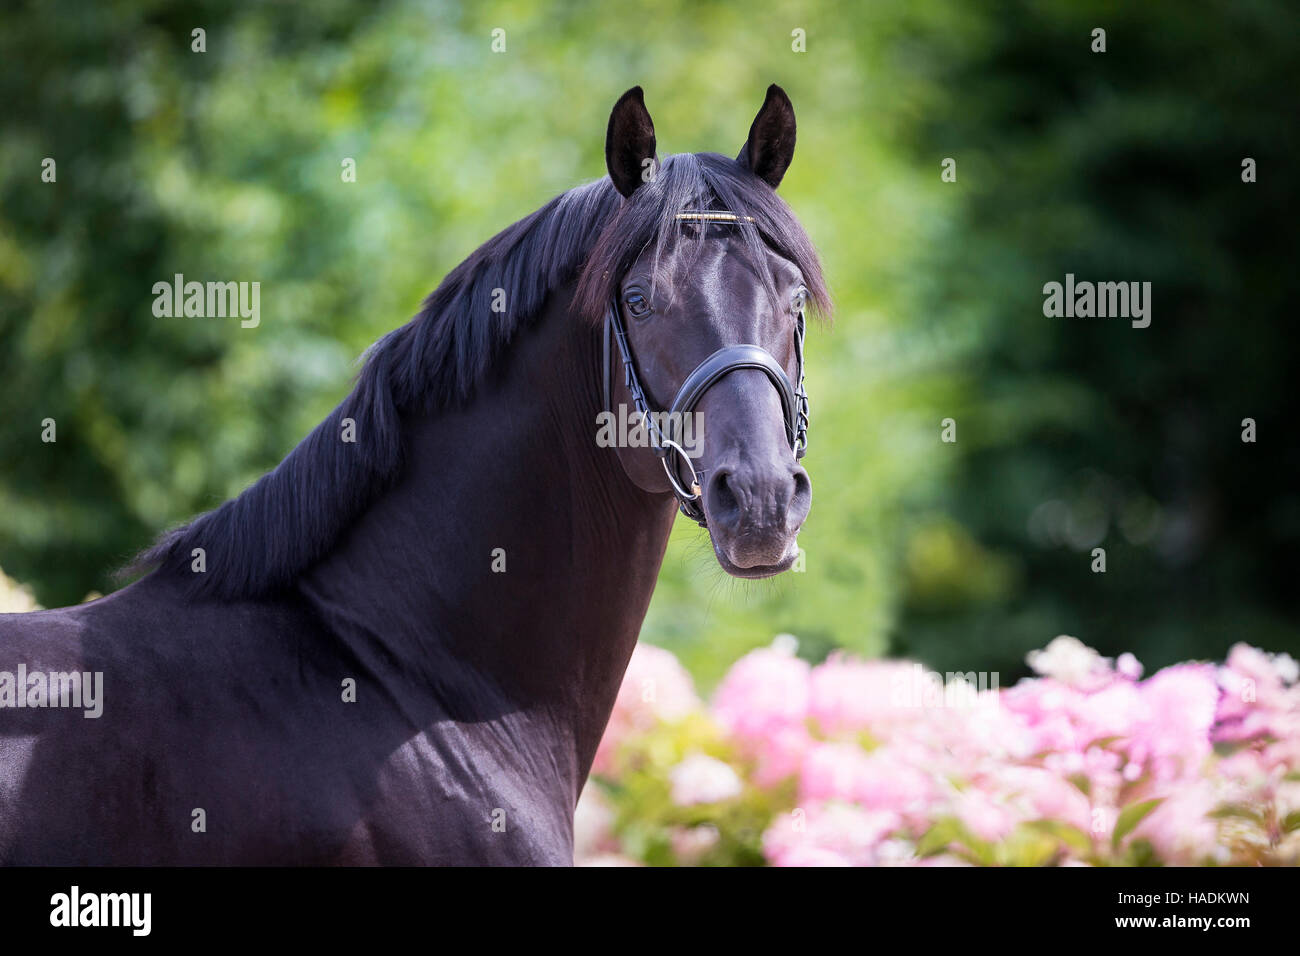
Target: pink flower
point(1046, 796)
point(1126, 665)
point(763, 704)
point(691, 843)
point(874, 767)
point(1260, 698)
point(988, 731)
point(655, 688)
point(1245, 768)
point(984, 816)
point(848, 695)
point(1272, 670)
point(592, 825)
point(1172, 734)
point(876, 781)
point(780, 756)
point(766, 688)
point(943, 859)
point(703, 779)
point(609, 859)
point(1163, 723)
point(1110, 712)
point(828, 835)
point(1047, 709)
point(834, 771)
point(1180, 828)
point(807, 855)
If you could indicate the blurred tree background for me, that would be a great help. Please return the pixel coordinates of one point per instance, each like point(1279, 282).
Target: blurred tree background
point(1071, 433)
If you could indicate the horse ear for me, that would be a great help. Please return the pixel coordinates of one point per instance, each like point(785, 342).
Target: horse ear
point(630, 142)
point(770, 147)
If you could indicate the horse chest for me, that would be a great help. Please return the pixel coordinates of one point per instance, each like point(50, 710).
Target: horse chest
point(442, 798)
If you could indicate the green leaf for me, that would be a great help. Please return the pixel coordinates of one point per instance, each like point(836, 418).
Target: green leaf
point(950, 833)
point(1130, 817)
point(1142, 853)
point(1237, 811)
point(936, 839)
point(1067, 833)
point(1028, 845)
point(1226, 748)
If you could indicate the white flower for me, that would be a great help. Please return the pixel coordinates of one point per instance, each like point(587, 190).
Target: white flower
point(703, 779)
point(1286, 667)
point(1070, 661)
point(786, 644)
point(1129, 666)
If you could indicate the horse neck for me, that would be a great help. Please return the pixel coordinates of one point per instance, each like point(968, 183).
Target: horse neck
point(510, 567)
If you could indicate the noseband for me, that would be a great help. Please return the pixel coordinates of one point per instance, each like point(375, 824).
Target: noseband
point(794, 399)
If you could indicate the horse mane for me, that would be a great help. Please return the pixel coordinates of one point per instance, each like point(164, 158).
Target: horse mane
point(276, 529)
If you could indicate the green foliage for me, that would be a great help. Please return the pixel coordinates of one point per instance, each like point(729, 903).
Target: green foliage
point(1129, 818)
point(1086, 433)
point(647, 818)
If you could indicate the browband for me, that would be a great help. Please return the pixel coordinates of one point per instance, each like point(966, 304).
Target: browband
point(707, 216)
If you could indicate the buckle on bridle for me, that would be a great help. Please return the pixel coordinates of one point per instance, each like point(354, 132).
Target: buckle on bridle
point(671, 472)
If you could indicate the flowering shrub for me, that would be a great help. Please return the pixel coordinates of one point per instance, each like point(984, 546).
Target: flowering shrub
point(864, 763)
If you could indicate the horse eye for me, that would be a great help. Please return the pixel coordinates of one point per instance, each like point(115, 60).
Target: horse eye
point(637, 304)
point(800, 300)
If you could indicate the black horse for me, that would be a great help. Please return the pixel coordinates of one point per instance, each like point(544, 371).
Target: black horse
point(402, 645)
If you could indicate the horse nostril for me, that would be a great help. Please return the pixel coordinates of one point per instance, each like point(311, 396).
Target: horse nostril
point(800, 500)
point(723, 501)
point(777, 501)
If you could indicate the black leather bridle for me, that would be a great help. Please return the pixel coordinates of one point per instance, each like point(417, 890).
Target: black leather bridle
point(794, 399)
